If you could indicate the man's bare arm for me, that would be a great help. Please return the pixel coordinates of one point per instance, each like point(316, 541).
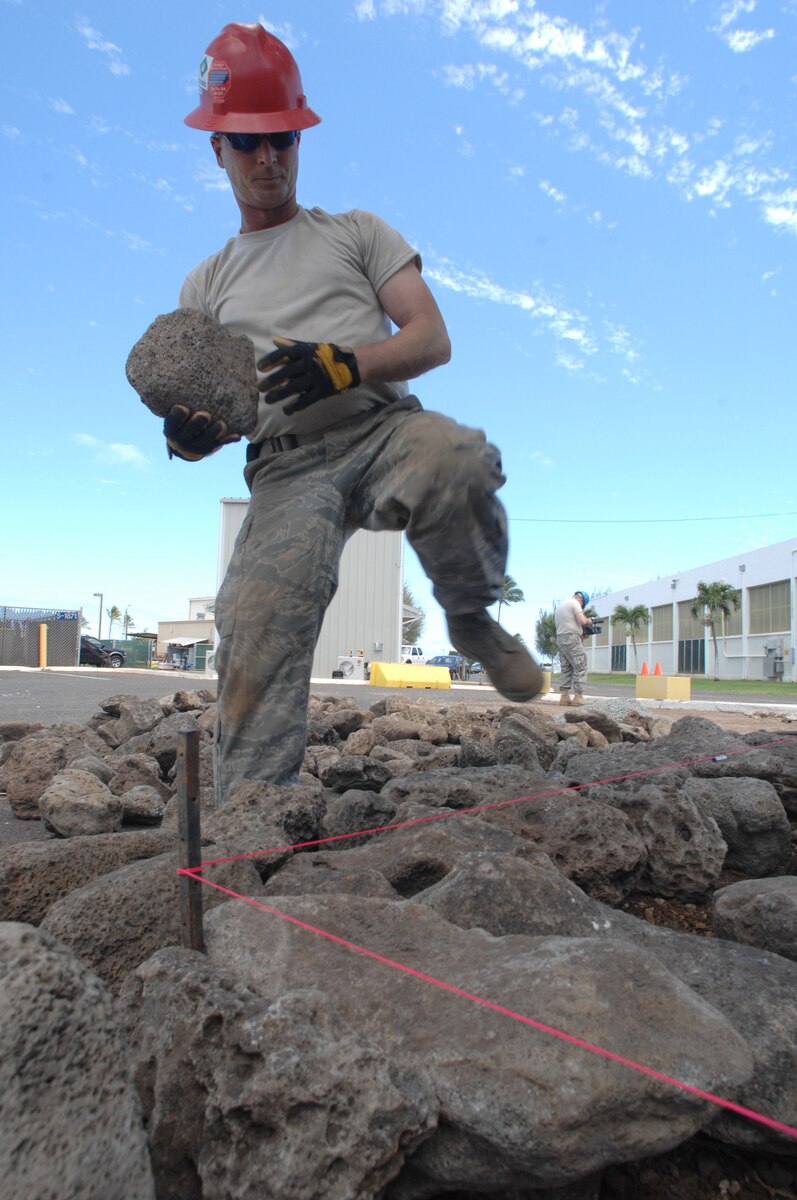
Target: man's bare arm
point(422, 340)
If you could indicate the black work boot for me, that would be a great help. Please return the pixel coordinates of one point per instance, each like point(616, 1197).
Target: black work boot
point(512, 670)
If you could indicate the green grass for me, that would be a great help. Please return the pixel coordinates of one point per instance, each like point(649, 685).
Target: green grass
point(734, 687)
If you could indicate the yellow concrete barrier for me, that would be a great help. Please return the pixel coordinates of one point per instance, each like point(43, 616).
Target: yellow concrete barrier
point(407, 675)
point(663, 687)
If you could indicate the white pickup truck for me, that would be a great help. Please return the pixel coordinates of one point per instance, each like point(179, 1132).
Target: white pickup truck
point(413, 654)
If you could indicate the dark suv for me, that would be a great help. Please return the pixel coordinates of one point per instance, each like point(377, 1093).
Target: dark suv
point(94, 654)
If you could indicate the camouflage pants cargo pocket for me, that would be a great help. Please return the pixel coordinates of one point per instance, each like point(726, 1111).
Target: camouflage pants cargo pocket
point(573, 660)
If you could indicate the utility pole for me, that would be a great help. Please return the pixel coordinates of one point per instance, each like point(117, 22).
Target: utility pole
point(99, 623)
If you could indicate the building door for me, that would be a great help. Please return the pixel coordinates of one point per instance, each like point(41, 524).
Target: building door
point(692, 657)
point(619, 658)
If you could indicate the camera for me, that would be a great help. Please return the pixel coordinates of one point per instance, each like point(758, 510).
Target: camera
point(592, 627)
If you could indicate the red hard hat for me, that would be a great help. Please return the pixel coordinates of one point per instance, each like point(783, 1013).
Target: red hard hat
point(249, 83)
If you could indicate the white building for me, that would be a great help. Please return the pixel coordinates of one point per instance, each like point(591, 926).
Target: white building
point(758, 641)
point(365, 617)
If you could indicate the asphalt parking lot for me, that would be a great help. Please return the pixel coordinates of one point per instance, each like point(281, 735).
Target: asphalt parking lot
point(75, 693)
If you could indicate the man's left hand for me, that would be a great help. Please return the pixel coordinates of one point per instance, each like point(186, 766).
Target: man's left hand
point(310, 371)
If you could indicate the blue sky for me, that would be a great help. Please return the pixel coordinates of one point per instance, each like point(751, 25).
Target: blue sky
point(605, 199)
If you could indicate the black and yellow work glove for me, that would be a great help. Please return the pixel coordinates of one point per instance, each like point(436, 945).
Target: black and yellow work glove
point(310, 371)
point(192, 434)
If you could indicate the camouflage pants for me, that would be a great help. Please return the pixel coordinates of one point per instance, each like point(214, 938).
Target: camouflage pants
point(398, 469)
point(573, 663)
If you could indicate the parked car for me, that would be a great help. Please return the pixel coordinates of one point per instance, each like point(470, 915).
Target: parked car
point(413, 654)
point(457, 667)
point(476, 668)
point(94, 654)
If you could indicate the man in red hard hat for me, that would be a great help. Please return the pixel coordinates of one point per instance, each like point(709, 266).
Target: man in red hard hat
point(340, 319)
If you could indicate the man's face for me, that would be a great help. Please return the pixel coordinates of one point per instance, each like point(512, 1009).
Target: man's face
point(263, 180)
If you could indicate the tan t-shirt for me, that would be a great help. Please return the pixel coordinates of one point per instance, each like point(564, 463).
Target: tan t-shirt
point(566, 617)
point(315, 279)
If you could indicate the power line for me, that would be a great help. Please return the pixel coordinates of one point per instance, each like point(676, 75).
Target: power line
point(644, 520)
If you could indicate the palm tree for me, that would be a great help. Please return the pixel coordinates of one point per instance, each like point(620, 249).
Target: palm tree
point(510, 594)
point(114, 614)
point(412, 626)
point(634, 619)
point(545, 635)
point(715, 601)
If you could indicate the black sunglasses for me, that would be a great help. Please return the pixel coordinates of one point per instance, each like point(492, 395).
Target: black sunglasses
point(247, 142)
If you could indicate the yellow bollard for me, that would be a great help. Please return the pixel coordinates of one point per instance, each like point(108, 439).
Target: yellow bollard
point(42, 645)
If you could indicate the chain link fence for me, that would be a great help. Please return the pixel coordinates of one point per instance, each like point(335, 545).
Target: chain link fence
point(19, 636)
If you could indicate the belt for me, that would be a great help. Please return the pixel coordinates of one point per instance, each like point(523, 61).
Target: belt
point(286, 441)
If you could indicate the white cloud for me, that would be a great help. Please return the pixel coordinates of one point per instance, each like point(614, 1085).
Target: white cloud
point(286, 33)
point(121, 453)
point(62, 107)
point(742, 40)
point(549, 190)
point(739, 40)
point(618, 113)
point(114, 58)
point(11, 132)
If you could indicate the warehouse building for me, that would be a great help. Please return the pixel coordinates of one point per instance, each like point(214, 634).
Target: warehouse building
point(757, 641)
point(363, 623)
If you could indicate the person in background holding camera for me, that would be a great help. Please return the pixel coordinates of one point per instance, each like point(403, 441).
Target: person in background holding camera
point(573, 627)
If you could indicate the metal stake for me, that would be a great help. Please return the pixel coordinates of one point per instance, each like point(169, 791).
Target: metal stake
point(190, 838)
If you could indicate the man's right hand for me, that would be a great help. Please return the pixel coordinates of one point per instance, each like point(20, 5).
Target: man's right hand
point(192, 434)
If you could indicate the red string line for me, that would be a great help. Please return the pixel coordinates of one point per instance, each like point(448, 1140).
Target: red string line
point(464, 812)
point(739, 1109)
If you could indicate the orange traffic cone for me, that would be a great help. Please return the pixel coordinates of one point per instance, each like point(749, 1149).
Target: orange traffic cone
point(644, 670)
point(657, 669)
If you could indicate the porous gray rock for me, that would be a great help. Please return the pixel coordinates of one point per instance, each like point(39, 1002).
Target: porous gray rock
point(322, 873)
point(77, 803)
point(186, 357)
point(353, 771)
point(135, 716)
point(161, 741)
point(352, 811)
point(142, 805)
point(685, 849)
point(753, 989)
point(72, 1122)
point(118, 920)
point(751, 819)
point(263, 816)
point(426, 846)
point(759, 912)
point(136, 770)
point(518, 1108)
point(465, 787)
point(264, 1099)
point(35, 759)
point(33, 876)
point(595, 845)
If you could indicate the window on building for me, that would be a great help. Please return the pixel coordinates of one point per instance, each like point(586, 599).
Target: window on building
point(689, 627)
point(770, 607)
point(602, 638)
point(733, 623)
point(661, 623)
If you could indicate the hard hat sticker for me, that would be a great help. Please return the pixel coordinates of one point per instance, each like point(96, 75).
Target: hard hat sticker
point(204, 71)
point(219, 79)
